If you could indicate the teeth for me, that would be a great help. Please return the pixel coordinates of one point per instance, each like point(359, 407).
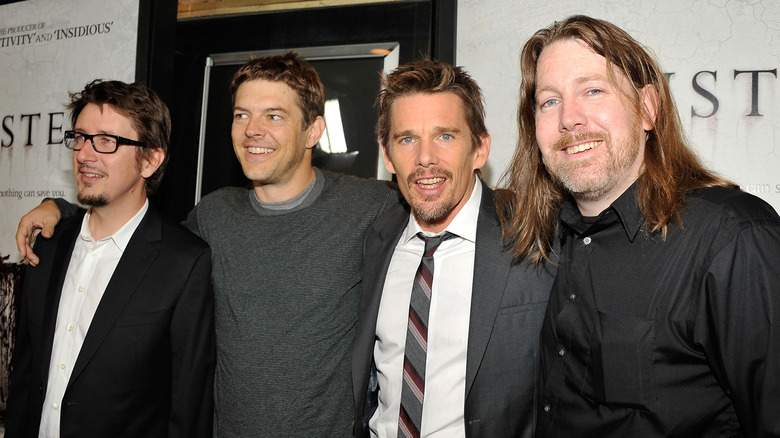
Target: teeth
point(259, 150)
point(582, 147)
point(429, 183)
point(91, 175)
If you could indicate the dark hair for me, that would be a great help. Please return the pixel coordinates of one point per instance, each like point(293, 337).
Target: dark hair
point(292, 70)
point(670, 167)
point(429, 76)
point(147, 113)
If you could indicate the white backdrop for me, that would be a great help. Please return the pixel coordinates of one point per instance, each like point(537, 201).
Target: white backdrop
point(46, 50)
point(706, 40)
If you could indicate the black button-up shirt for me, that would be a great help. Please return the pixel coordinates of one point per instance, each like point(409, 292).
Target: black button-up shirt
point(677, 337)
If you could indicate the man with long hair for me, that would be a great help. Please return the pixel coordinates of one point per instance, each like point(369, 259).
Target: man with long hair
point(663, 317)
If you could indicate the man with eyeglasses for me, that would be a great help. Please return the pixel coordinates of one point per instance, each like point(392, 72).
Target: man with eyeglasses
point(116, 323)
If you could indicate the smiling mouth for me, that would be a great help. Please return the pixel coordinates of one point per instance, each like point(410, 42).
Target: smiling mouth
point(86, 172)
point(259, 150)
point(582, 147)
point(430, 183)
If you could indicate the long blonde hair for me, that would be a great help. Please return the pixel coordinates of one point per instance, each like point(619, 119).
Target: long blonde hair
point(670, 169)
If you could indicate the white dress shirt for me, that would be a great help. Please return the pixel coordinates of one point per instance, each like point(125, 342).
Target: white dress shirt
point(90, 269)
point(448, 326)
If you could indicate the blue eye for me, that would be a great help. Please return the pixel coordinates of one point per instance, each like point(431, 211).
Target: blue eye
point(446, 137)
point(549, 103)
point(407, 140)
point(275, 117)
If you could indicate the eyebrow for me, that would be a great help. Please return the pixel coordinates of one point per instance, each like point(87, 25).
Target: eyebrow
point(579, 81)
point(446, 129)
point(99, 132)
point(438, 130)
point(264, 110)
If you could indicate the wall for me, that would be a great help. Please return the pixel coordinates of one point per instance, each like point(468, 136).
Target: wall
point(732, 120)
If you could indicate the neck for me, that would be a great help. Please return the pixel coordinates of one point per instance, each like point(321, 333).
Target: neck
point(593, 207)
point(106, 220)
point(284, 191)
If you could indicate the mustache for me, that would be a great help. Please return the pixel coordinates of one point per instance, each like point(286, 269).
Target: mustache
point(83, 166)
point(430, 172)
point(567, 139)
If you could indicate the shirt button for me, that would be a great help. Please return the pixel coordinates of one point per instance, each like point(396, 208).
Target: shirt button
point(546, 408)
point(70, 327)
point(586, 241)
point(62, 366)
point(572, 297)
point(562, 352)
point(93, 253)
point(55, 406)
point(81, 289)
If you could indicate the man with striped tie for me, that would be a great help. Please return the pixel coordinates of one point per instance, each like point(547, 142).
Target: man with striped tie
point(447, 340)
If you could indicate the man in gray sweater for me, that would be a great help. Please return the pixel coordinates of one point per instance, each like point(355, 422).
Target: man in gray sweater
point(287, 261)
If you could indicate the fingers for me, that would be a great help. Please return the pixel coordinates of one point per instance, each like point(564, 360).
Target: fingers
point(41, 219)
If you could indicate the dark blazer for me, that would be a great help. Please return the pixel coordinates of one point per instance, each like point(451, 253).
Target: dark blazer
point(146, 368)
point(507, 308)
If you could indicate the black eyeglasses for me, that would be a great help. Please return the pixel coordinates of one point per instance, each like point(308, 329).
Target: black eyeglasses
point(101, 143)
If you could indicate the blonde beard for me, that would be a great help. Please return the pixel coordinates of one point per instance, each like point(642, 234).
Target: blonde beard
point(603, 179)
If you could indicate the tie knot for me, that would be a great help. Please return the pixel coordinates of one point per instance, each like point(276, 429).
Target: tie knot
point(433, 242)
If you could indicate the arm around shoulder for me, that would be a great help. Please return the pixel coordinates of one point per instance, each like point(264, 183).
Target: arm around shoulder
point(42, 219)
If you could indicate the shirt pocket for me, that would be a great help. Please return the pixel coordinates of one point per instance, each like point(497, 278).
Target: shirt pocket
point(622, 368)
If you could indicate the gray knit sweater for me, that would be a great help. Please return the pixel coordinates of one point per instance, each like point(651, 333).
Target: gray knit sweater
point(287, 288)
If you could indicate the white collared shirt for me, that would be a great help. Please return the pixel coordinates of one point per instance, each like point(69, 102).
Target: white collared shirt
point(91, 266)
point(448, 326)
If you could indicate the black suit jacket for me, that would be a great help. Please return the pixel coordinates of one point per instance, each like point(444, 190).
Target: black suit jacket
point(147, 363)
point(507, 308)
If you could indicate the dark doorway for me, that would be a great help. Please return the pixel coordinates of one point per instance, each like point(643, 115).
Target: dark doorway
point(351, 75)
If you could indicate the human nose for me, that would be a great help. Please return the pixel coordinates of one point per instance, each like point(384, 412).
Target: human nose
point(87, 152)
point(426, 153)
point(572, 116)
point(255, 127)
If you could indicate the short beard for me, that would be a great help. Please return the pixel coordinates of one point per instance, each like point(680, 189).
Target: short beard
point(93, 201)
point(621, 157)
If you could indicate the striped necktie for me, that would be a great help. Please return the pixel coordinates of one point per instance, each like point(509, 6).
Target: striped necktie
point(416, 348)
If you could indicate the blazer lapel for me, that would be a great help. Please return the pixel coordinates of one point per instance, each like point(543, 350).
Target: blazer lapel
point(492, 263)
point(388, 230)
point(381, 238)
point(131, 269)
point(67, 236)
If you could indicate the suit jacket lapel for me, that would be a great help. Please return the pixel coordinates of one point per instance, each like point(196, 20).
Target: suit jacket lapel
point(492, 263)
point(388, 231)
point(381, 238)
point(131, 269)
point(67, 235)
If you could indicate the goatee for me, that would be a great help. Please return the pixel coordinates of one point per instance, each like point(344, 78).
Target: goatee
point(92, 201)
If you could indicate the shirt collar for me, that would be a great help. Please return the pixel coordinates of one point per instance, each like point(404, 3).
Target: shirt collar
point(463, 225)
point(122, 236)
point(626, 208)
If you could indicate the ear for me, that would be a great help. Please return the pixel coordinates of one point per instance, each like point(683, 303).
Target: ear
point(316, 129)
point(650, 104)
point(151, 163)
point(388, 162)
point(482, 151)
